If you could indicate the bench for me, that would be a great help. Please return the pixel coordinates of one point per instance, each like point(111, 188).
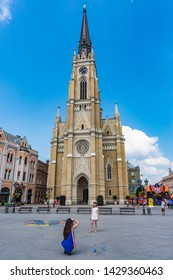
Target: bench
point(85, 210)
point(63, 209)
point(25, 209)
point(127, 210)
point(40, 208)
point(105, 210)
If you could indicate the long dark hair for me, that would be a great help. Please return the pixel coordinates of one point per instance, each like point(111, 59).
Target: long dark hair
point(67, 228)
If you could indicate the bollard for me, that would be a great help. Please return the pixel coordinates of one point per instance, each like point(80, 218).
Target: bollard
point(13, 211)
point(143, 211)
point(6, 209)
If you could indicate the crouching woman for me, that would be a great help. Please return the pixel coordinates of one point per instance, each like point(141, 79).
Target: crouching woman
point(69, 242)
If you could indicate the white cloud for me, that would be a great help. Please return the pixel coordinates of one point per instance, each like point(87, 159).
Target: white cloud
point(5, 12)
point(144, 151)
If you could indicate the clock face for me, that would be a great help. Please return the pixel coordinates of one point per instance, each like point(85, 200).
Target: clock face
point(83, 70)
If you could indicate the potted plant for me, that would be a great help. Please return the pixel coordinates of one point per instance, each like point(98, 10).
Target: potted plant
point(46, 199)
point(115, 199)
point(128, 200)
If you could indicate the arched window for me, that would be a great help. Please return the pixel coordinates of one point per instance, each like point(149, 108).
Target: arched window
point(10, 157)
point(83, 89)
point(26, 160)
point(109, 172)
point(33, 163)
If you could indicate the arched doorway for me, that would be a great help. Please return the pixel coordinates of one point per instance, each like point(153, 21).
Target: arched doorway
point(82, 190)
point(29, 198)
point(4, 195)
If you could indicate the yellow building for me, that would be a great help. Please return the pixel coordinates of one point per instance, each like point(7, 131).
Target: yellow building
point(87, 152)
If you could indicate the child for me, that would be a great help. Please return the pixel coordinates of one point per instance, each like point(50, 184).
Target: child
point(69, 242)
point(163, 207)
point(94, 217)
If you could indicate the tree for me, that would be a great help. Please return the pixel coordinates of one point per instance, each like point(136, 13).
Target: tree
point(139, 189)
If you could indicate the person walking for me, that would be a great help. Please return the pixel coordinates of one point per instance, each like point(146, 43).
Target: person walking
point(69, 242)
point(94, 217)
point(163, 207)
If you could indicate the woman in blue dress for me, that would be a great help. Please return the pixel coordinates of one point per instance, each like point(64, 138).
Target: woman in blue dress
point(69, 242)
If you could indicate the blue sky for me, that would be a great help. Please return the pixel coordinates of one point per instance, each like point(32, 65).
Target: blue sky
point(133, 46)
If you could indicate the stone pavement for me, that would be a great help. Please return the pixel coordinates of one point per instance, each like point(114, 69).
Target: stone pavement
point(126, 237)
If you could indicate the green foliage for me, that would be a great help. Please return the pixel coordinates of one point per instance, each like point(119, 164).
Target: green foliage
point(46, 197)
point(15, 196)
point(139, 189)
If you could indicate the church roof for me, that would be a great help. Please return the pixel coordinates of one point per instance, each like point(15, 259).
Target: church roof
point(12, 138)
point(131, 166)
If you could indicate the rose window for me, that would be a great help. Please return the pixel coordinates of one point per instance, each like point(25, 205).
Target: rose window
point(82, 147)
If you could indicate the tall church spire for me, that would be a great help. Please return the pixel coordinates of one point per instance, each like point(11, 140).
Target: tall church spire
point(84, 42)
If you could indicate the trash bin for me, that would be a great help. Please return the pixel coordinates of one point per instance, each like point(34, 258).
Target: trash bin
point(6, 209)
point(149, 211)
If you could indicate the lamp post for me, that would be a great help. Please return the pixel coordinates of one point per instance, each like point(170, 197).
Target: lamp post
point(15, 186)
point(142, 187)
point(148, 208)
point(146, 184)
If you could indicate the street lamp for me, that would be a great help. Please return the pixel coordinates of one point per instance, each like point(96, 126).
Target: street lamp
point(146, 182)
point(16, 184)
point(140, 184)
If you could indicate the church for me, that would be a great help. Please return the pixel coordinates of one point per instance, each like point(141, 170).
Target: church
point(87, 157)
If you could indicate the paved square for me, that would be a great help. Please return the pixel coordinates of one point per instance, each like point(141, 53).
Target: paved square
point(126, 237)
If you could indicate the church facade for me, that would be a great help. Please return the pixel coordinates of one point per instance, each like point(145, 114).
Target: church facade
point(87, 156)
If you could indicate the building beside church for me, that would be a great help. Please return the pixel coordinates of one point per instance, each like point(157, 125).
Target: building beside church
point(168, 181)
point(87, 157)
point(21, 173)
point(134, 177)
point(41, 182)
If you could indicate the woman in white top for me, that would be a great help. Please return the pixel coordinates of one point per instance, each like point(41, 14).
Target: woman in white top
point(94, 217)
point(163, 207)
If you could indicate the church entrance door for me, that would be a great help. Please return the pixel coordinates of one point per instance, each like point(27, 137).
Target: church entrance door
point(82, 190)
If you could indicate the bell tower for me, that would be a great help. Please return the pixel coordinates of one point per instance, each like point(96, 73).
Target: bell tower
point(79, 158)
point(83, 140)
